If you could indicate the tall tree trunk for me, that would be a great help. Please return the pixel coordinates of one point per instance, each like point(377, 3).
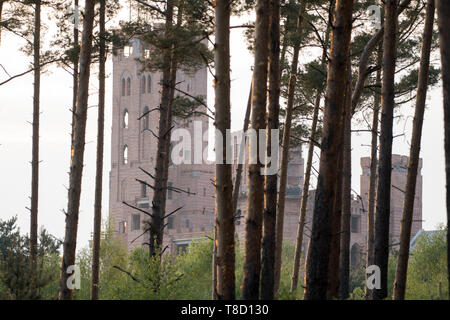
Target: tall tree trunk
point(411, 176)
point(253, 228)
point(285, 147)
point(99, 165)
point(373, 171)
point(164, 136)
point(344, 260)
point(224, 185)
point(271, 187)
point(443, 10)
point(76, 166)
point(76, 63)
point(336, 219)
point(306, 181)
point(35, 144)
point(319, 246)
point(381, 256)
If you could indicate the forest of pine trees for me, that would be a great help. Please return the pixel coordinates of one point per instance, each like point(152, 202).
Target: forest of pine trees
point(322, 71)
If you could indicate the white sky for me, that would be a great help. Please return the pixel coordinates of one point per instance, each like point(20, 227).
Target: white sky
point(56, 99)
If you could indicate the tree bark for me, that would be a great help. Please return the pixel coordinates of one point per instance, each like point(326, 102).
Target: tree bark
point(253, 228)
point(99, 164)
point(344, 260)
point(271, 186)
point(373, 171)
point(336, 219)
point(76, 63)
point(76, 166)
point(164, 136)
point(285, 148)
point(443, 10)
point(381, 256)
point(35, 143)
point(306, 181)
point(319, 247)
point(411, 176)
point(224, 185)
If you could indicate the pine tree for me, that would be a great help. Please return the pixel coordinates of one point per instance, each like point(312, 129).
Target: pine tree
point(99, 163)
point(224, 187)
point(443, 11)
point(253, 228)
point(319, 247)
point(381, 253)
point(76, 165)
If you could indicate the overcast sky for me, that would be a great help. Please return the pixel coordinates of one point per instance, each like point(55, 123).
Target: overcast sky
point(56, 97)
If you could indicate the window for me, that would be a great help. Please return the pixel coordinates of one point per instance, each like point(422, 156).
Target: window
point(143, 190)
point(127, 51)
point(122, 227)
point(136, 222)
point(125, 119)
point(146, 118)
point(182, 248)
point(147, 54)
point(123, 87)
point(169, 190)
point(125, 154)
point(187, 223)
point(143, 84)
point(189, 192)
point(204, 192)
point(149, 84)
point(170, 223)
point(128, 86)
point(355, 224)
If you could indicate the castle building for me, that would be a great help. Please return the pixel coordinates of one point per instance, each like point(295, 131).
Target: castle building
point(136, 95)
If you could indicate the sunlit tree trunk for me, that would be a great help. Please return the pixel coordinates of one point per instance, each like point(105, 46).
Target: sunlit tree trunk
point(411, 177)
point(76, 166)
point(344, 260)
point(253, 228)
point(321, 236)
point(381, 255)
point(99, 164)
point(443, 10)
point(224, 187)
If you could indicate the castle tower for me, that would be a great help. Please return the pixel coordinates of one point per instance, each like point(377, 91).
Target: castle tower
point(398, 182)
point(135, 93)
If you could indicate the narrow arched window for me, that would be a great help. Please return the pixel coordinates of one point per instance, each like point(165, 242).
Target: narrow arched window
point(128, 86)
point(149, 84)
point(143, 84)
point(123, 87)
point(125, 154)
point(125, 119)
point(146, 118)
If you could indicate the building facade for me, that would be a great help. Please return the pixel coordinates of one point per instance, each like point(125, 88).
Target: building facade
point(136, 95)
